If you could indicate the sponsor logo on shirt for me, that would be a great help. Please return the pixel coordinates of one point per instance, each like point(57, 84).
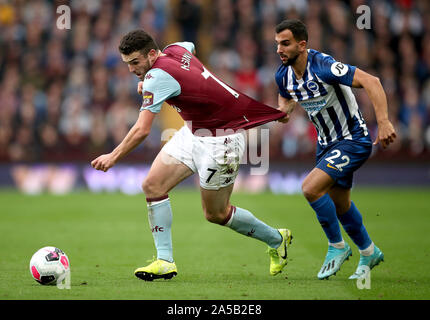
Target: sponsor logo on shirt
point(339, 69)
point(311, 106)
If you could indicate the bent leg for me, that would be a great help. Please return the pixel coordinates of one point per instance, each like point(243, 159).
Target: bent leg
point(315, 189)
point(216, 204)
point(350, 218)
point(341, 198)
point(217, 209)
point(165, 173)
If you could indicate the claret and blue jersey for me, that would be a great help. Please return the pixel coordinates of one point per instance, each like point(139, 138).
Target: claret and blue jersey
point(325, 93)
point(208, 105)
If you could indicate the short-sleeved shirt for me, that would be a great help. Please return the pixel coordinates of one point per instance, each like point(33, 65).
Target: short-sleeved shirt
point(160, 86)
point(325, 93)
point(207, 104)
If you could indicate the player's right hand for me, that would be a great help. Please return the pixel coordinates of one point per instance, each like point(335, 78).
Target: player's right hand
point(284, 119)
point(104, 162)
point(139, 87)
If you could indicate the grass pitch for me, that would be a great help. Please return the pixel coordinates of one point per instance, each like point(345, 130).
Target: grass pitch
point(107, 236)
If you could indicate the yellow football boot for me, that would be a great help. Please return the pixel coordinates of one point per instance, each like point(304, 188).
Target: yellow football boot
point(156, 270)
point(278, 256)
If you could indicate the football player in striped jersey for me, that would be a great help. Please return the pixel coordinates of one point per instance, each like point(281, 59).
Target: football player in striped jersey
point(322, 86)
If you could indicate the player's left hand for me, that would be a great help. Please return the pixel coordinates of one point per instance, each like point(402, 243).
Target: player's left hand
point(139, 87)
point(104, 162)
point(386, 134)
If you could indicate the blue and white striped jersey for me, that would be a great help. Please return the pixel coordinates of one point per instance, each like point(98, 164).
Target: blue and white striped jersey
point(325, 93)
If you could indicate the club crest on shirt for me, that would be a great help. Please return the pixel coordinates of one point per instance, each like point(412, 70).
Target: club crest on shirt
point(148, 98)
point(148, 76)
point(312, 85)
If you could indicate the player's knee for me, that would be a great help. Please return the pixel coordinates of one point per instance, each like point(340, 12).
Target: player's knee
point(214, 216)
point(310, 194)
point(146, 186)
point(152, 189)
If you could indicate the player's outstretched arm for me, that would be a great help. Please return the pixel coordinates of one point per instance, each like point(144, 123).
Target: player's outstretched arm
point(373, 87)
point(134, 137)
point(286, 106)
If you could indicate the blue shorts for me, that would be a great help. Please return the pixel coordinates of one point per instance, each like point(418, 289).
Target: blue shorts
point(342, 158)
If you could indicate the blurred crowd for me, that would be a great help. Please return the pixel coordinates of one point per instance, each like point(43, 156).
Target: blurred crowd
point(65, 95)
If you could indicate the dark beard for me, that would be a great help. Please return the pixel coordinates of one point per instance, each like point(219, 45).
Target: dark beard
point(290, 61)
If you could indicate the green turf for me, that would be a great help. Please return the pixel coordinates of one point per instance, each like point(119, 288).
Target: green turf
point(106, 237)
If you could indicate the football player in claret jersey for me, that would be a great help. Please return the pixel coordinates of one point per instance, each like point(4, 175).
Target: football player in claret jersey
point(322, 86)
point(211, 143)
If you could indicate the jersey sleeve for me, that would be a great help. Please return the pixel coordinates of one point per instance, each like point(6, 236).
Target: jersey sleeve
point(280, 78)
point(333, 72)
point(186, 45)
point(158, 86)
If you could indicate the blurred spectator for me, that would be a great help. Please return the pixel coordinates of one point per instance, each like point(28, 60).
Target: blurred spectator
point(50, 143)
point(412, 116)
point(188, 13)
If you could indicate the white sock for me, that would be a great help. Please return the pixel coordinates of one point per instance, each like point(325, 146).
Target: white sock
point(338, 245)
point(368, 251)
point(160, 222)
point(244, 222)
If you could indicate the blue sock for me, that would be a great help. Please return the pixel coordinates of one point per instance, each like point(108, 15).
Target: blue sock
point(326, 215)
point(352, 222)
point(244, 222)
point(160, 221)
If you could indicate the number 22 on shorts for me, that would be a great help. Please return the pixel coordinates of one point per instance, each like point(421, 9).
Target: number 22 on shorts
point(339, 166)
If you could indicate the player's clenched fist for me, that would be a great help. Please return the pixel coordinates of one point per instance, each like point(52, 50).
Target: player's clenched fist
point(386, 134)
point(104, 162)
point(139, 87)
point(284, 119)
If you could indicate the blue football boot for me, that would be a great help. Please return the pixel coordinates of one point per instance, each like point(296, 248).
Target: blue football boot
point(368, 262)
point(333, 260)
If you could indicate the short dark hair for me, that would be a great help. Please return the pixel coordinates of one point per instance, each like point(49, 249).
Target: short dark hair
point(297, 28)
point(137, 40)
